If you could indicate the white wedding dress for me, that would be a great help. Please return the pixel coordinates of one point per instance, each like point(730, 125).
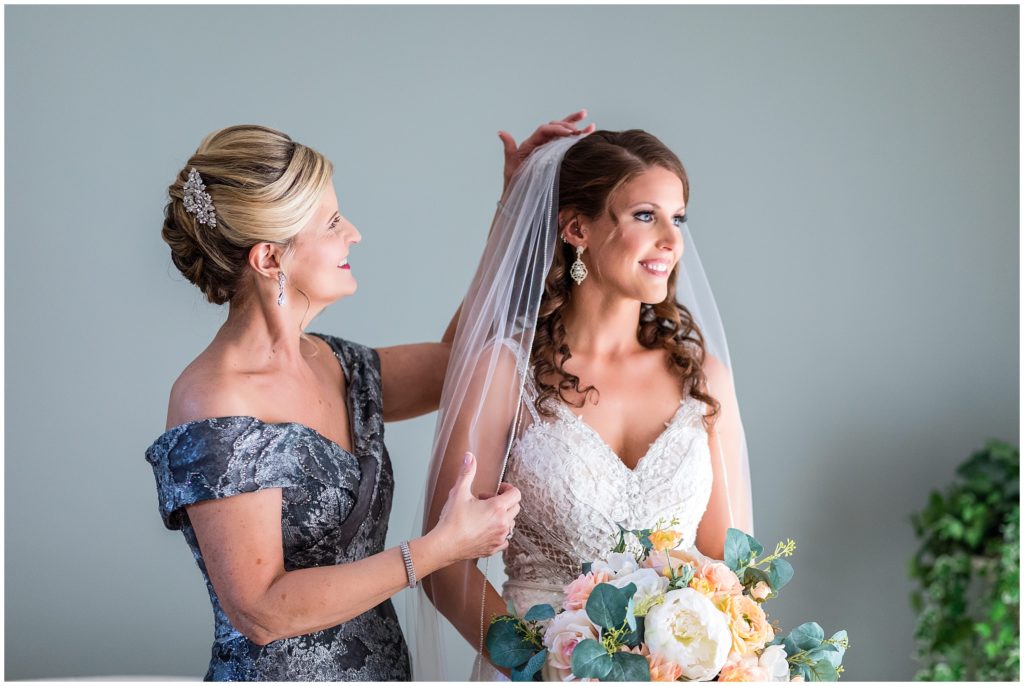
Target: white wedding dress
point(576, 492)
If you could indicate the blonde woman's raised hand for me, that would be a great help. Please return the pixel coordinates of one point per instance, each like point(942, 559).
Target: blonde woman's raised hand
point(474, 527)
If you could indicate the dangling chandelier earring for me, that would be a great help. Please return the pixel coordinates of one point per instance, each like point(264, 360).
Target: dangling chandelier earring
point(578, 271)
point(281, 278)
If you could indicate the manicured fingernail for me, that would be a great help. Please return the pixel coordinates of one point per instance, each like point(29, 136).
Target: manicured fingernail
point(468, 458)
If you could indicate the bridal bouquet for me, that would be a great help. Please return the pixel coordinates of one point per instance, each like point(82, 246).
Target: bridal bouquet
point(651, 612)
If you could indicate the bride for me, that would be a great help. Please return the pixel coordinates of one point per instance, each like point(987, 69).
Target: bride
point(583, 378)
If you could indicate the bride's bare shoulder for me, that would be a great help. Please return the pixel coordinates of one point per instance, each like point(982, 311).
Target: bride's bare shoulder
point(716, 373)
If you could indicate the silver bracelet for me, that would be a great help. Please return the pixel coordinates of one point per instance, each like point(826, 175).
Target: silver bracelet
point(410, 571)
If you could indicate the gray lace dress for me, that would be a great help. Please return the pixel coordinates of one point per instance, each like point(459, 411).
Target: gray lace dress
point(335, 508)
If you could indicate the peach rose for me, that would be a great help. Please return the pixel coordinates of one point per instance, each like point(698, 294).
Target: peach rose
point(720, 577)
point(660, 668)
point(747, 622)
point(797, 678)
point(666, 539)
point(760, 591)
point(745, 668)
point(577, 593)
point(660, 561)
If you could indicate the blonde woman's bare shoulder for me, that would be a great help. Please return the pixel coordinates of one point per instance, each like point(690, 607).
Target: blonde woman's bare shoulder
point(204, 391)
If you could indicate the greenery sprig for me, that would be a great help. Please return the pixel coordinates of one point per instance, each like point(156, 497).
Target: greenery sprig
point(968, 567)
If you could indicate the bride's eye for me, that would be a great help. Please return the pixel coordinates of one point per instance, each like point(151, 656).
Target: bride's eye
point(644, 216)
point(679, 220)
point(334, 224)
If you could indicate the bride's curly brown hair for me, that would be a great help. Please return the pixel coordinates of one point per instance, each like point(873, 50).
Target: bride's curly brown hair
point(591, 171)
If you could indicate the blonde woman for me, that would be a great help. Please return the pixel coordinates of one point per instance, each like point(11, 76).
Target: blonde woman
point(273, 464)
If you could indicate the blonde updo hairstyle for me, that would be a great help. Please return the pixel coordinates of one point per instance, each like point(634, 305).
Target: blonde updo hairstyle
point(264, 186)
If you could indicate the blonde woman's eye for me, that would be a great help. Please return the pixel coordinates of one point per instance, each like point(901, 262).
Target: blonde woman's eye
point(644, 216)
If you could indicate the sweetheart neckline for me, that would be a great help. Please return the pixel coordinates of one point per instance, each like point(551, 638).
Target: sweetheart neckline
point(591, 431)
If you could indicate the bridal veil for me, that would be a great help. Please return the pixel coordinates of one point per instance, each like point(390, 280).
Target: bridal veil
point(481, 403)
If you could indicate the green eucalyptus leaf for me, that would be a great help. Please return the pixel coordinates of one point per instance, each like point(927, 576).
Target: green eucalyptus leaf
point(586, 567)
point(838, 636)
point(755, 547)
point(628, 590)
point(539, 613)
point(780, 573)
point(507, 645)
point(824, 671)
point(532, 667)
point(606, 606)
point(752, 575)
point(737, 550)
point(590, 660)
point(807, 636)
point(628, 667)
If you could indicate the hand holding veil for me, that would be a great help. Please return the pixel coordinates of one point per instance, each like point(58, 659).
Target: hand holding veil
point(482, 399)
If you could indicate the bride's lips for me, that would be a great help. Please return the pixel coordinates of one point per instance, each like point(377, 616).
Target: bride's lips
point(344, 264)
point(656, 267)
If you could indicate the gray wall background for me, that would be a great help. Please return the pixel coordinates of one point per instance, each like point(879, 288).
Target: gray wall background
point(855, 199)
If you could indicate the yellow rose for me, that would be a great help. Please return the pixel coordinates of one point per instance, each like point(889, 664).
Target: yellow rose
point(666, 539)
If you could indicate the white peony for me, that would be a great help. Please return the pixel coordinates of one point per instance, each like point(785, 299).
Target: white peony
point(561, 636)
point(616, 564)
point(649, 586)
point(773, 662)
point(689, 630)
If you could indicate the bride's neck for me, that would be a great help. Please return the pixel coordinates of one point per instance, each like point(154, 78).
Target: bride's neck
point(599, 325)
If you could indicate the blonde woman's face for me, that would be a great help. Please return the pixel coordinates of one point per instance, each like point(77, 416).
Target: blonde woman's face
point(636, 244)
point(319, 261)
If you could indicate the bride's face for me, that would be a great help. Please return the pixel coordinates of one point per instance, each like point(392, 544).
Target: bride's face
point(318, 264)
point(635, 245)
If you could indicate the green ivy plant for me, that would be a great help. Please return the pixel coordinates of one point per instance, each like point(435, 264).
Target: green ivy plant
point(968, 567)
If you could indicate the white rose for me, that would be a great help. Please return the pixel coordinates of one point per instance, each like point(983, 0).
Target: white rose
point(561, 636)
point(649, 585)
point(689, 630)
point(773, 661)
point(617, 564)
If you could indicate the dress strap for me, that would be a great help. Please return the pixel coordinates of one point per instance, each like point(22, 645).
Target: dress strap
point(525, 372)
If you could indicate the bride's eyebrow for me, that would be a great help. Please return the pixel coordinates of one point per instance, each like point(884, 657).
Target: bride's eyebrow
point(655, 206)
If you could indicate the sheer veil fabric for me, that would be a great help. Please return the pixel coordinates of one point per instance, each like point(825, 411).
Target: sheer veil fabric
point(481, 408)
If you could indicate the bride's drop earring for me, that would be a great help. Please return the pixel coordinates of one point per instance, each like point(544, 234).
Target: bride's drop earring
point(578, 271)
point(281, 278)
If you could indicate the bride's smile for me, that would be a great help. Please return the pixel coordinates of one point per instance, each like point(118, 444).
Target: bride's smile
point(631, 248)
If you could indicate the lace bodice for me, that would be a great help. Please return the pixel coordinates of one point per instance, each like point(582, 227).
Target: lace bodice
point(576, 492)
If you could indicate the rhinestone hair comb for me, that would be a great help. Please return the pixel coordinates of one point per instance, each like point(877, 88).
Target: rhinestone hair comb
point(197, 201)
